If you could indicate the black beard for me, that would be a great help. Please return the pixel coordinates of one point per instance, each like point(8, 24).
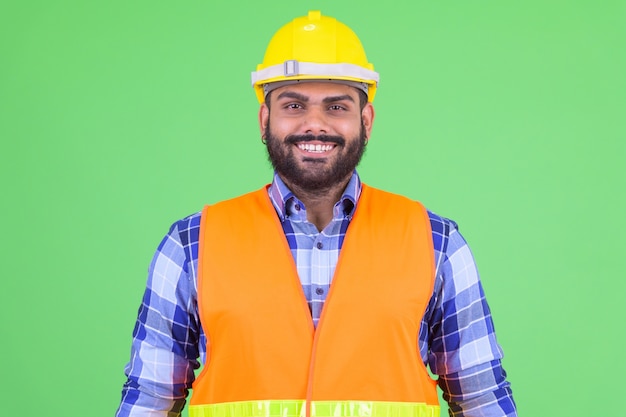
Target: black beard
point(282, 158)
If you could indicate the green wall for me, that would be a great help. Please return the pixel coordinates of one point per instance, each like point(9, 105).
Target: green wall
point(119, 117)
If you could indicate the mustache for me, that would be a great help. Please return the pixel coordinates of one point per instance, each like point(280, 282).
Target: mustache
point(293, 139)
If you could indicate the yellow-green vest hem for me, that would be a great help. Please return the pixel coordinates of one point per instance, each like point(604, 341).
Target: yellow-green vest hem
point(296, 408)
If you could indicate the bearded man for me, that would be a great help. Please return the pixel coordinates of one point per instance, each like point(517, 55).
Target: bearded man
point(315, 295)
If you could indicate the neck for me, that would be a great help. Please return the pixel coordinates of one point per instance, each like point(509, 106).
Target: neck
point(319, 203)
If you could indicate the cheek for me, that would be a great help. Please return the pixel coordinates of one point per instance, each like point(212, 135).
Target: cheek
point(350, 128)
point(281, 126)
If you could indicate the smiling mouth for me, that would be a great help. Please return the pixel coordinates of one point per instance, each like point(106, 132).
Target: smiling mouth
point(316, 148)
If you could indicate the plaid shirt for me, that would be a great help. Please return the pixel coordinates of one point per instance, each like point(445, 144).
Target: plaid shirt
point(456, 340)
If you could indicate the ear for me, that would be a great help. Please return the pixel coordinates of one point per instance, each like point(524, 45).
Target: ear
point(367, 116)
point(264, 118)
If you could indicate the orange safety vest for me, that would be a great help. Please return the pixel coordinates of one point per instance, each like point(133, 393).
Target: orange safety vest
point(264, 356)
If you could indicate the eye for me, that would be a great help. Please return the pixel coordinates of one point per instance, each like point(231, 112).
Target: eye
point(336, 107)
point(293, 106)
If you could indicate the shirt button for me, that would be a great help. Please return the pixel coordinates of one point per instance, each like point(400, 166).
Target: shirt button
point(297, 207)
point(319, 245)
point(319, 291)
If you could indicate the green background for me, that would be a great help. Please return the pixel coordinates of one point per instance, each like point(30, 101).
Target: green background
point(119, 117)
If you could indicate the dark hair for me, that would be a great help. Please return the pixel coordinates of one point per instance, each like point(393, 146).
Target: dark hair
point(362, 98)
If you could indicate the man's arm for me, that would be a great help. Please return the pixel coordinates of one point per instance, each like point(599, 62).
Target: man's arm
point(464, 351)
point(164, 349)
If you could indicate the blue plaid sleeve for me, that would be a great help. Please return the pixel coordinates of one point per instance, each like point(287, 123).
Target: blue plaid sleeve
point(462, 346)
point(165, 346)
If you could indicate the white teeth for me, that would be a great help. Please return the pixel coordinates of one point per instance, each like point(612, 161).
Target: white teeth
point(315, 148)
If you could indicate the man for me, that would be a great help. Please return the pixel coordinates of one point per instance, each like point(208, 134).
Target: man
point(316, 295)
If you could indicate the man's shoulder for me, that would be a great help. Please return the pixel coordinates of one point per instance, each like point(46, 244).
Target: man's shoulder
point(441, 228)
point(188, 222)
point(440, 224)
point(187, 229)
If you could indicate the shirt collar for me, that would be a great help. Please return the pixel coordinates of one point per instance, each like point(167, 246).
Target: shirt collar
point(285, 201)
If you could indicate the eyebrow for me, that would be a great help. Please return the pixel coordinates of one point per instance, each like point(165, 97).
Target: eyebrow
point(294, 95)
point(338, 98)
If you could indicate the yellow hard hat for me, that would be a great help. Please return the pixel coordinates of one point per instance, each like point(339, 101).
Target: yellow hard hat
point(314, 47)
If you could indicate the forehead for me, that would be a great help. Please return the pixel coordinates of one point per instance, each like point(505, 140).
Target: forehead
point(316, 90)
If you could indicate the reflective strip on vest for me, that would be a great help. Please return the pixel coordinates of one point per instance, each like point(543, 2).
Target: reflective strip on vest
point(296, 408)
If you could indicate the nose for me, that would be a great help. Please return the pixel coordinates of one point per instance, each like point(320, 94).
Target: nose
point(315, 122)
